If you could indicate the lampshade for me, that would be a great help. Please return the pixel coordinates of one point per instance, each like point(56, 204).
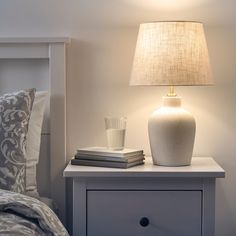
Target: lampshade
point(171, 53)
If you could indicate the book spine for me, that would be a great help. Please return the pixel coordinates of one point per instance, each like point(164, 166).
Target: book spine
point(121, 155)
point(98, 163)
point(105, 164)
point(112, 159)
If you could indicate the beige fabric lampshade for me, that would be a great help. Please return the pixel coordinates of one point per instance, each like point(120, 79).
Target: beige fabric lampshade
point(171, 53)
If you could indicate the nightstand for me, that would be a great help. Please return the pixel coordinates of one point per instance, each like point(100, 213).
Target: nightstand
point(145, 200)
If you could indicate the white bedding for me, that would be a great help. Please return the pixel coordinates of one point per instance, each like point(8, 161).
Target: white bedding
point(33, 141)
point(23, 215)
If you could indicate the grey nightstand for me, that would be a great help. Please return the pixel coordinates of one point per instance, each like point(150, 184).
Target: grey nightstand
point(145, 200)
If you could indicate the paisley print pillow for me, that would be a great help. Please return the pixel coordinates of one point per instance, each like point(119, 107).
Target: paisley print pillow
point(15, 109)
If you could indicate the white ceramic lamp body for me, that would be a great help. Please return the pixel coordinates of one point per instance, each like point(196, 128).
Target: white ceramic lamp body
point(171, 133)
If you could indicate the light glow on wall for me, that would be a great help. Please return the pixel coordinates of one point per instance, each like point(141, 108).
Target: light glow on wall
point(167, 4)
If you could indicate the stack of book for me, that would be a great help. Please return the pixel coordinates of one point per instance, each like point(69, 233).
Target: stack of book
point(103, 157)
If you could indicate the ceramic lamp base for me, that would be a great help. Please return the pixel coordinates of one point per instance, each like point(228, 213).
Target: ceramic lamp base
point(171, 134)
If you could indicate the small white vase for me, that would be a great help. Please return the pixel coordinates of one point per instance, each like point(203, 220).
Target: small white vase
point(171, 134)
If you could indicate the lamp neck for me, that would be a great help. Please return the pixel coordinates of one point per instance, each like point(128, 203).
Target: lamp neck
point(171, 92)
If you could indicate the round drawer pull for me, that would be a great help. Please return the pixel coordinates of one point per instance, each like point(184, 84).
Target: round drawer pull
point(144, 222)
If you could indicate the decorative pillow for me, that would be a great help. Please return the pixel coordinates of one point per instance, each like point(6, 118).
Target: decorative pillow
point(33, 142)
point(15, 109)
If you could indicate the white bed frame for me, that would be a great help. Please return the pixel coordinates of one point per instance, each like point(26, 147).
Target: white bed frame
point(53, 148)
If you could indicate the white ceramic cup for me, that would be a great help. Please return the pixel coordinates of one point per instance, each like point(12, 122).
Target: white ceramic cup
point(115, 131)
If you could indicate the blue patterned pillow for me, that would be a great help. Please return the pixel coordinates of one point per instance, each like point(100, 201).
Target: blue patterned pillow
point(15, 109)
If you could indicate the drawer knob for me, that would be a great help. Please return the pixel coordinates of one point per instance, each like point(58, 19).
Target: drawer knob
point(144, 222)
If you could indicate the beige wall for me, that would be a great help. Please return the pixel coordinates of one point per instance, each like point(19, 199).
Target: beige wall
point(99, 61)
point(99, 65)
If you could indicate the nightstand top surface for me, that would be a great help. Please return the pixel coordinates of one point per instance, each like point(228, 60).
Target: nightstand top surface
point(201, 167)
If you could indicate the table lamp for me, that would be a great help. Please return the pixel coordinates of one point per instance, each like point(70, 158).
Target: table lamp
point(171, 54)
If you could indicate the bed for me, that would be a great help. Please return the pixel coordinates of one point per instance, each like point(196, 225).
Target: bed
point(38, 63)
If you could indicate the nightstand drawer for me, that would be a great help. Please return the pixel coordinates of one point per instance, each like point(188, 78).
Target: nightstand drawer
point(125, 213)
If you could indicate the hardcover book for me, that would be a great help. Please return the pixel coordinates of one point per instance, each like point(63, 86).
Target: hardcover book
point(106, 163)
point(128, 159)
point(102, 151)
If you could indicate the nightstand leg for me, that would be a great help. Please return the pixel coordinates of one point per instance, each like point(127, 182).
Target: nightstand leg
point(79, 207)
point(208, 207)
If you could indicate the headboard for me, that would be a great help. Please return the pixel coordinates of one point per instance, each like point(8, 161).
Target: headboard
point(40, 63)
